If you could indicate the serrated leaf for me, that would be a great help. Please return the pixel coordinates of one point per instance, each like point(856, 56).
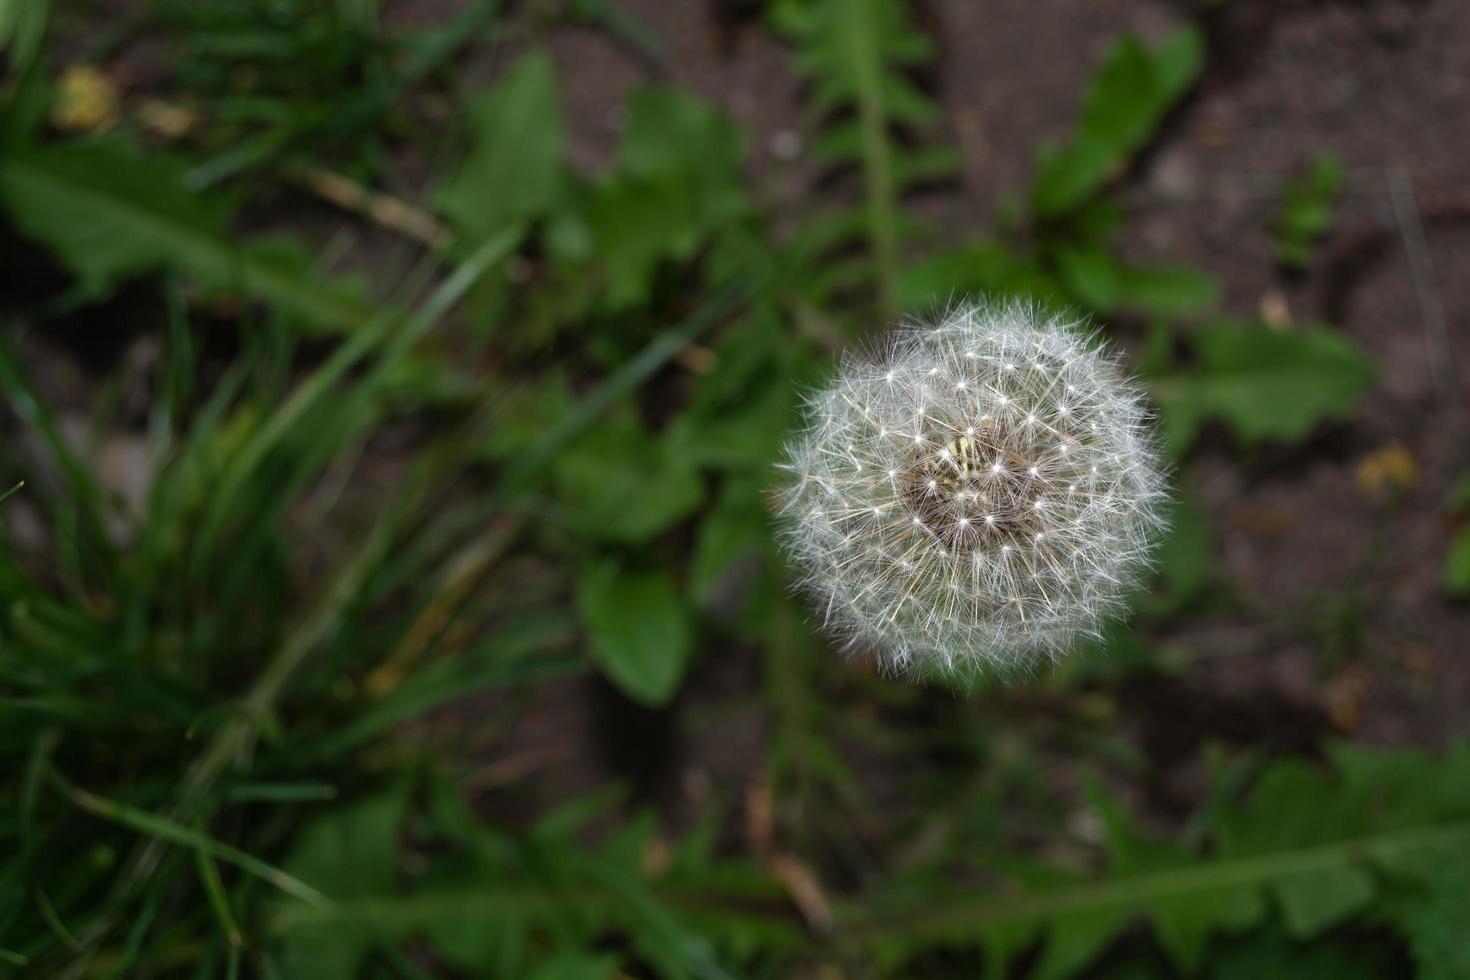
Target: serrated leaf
point(1263, 383)
point(1434, 919)
point(677, 183)
point(619, 483)
point(1316, 900)
point(1076, 937)
point(108, 212)
point(854, 51)
point(1130, 93)
point(1305, 836)
point(1185, 926)
point(350, 854)
point(638, 630)
point(514, 171)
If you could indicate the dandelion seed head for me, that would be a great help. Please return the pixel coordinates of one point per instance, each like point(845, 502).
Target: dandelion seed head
point(1014, 517)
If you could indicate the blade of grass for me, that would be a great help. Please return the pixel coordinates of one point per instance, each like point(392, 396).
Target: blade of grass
point(166, 830)
point(53, 921)
point(519, 475)
point(214, 889)
point(322, 384)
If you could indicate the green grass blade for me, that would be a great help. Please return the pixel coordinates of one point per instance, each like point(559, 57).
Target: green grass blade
point(163, 829)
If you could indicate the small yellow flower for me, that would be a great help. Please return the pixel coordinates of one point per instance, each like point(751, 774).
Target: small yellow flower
point(1388, 469)
point(86, 101)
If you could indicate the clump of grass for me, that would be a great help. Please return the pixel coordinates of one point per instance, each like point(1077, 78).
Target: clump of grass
point(170, 674)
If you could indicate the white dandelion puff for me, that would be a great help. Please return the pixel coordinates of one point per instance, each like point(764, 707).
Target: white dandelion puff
point(979, 495)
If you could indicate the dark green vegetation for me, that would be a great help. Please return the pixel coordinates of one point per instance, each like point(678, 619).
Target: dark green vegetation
point(242, 708)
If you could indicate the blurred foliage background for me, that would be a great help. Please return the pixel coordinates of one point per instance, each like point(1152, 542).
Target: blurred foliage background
point(391, 390)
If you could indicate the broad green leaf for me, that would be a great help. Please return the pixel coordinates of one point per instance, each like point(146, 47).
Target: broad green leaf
point(1093, 276)
point(984, 268)
point(1185, 926)
point(22, 29)
point(1164, 290)
point(1317, 900)
point(1264, 383)
point(514, 171)
point(638, 629)
point(108, 212)
point(1129, 95)
point(677, 182)
point(1076, 937)
point(1433, 919)
point(350, 853)
point(1185, 560)
point(619, 483)
point(735, 531)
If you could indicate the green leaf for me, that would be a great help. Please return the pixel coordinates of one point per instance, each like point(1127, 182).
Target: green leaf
point(983, 268)
point(1434, 919)
point(677, 183)
point(1185, 560)
point(1457, 565)
point(1264, 383)
point(638, 630)
point(1076, 937)
point(1093, 275)
point(1167, 290)
point(1306, 836)
point(856, 52)
point(1317, 900)
point(1132, 90)
point(106, 210)
point(576, 966)
point(735, 531)
point(1306, 212)
point(22, 29)
point(618, 483)
point(350, 853)
point(109, 212)
point(514, 171)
